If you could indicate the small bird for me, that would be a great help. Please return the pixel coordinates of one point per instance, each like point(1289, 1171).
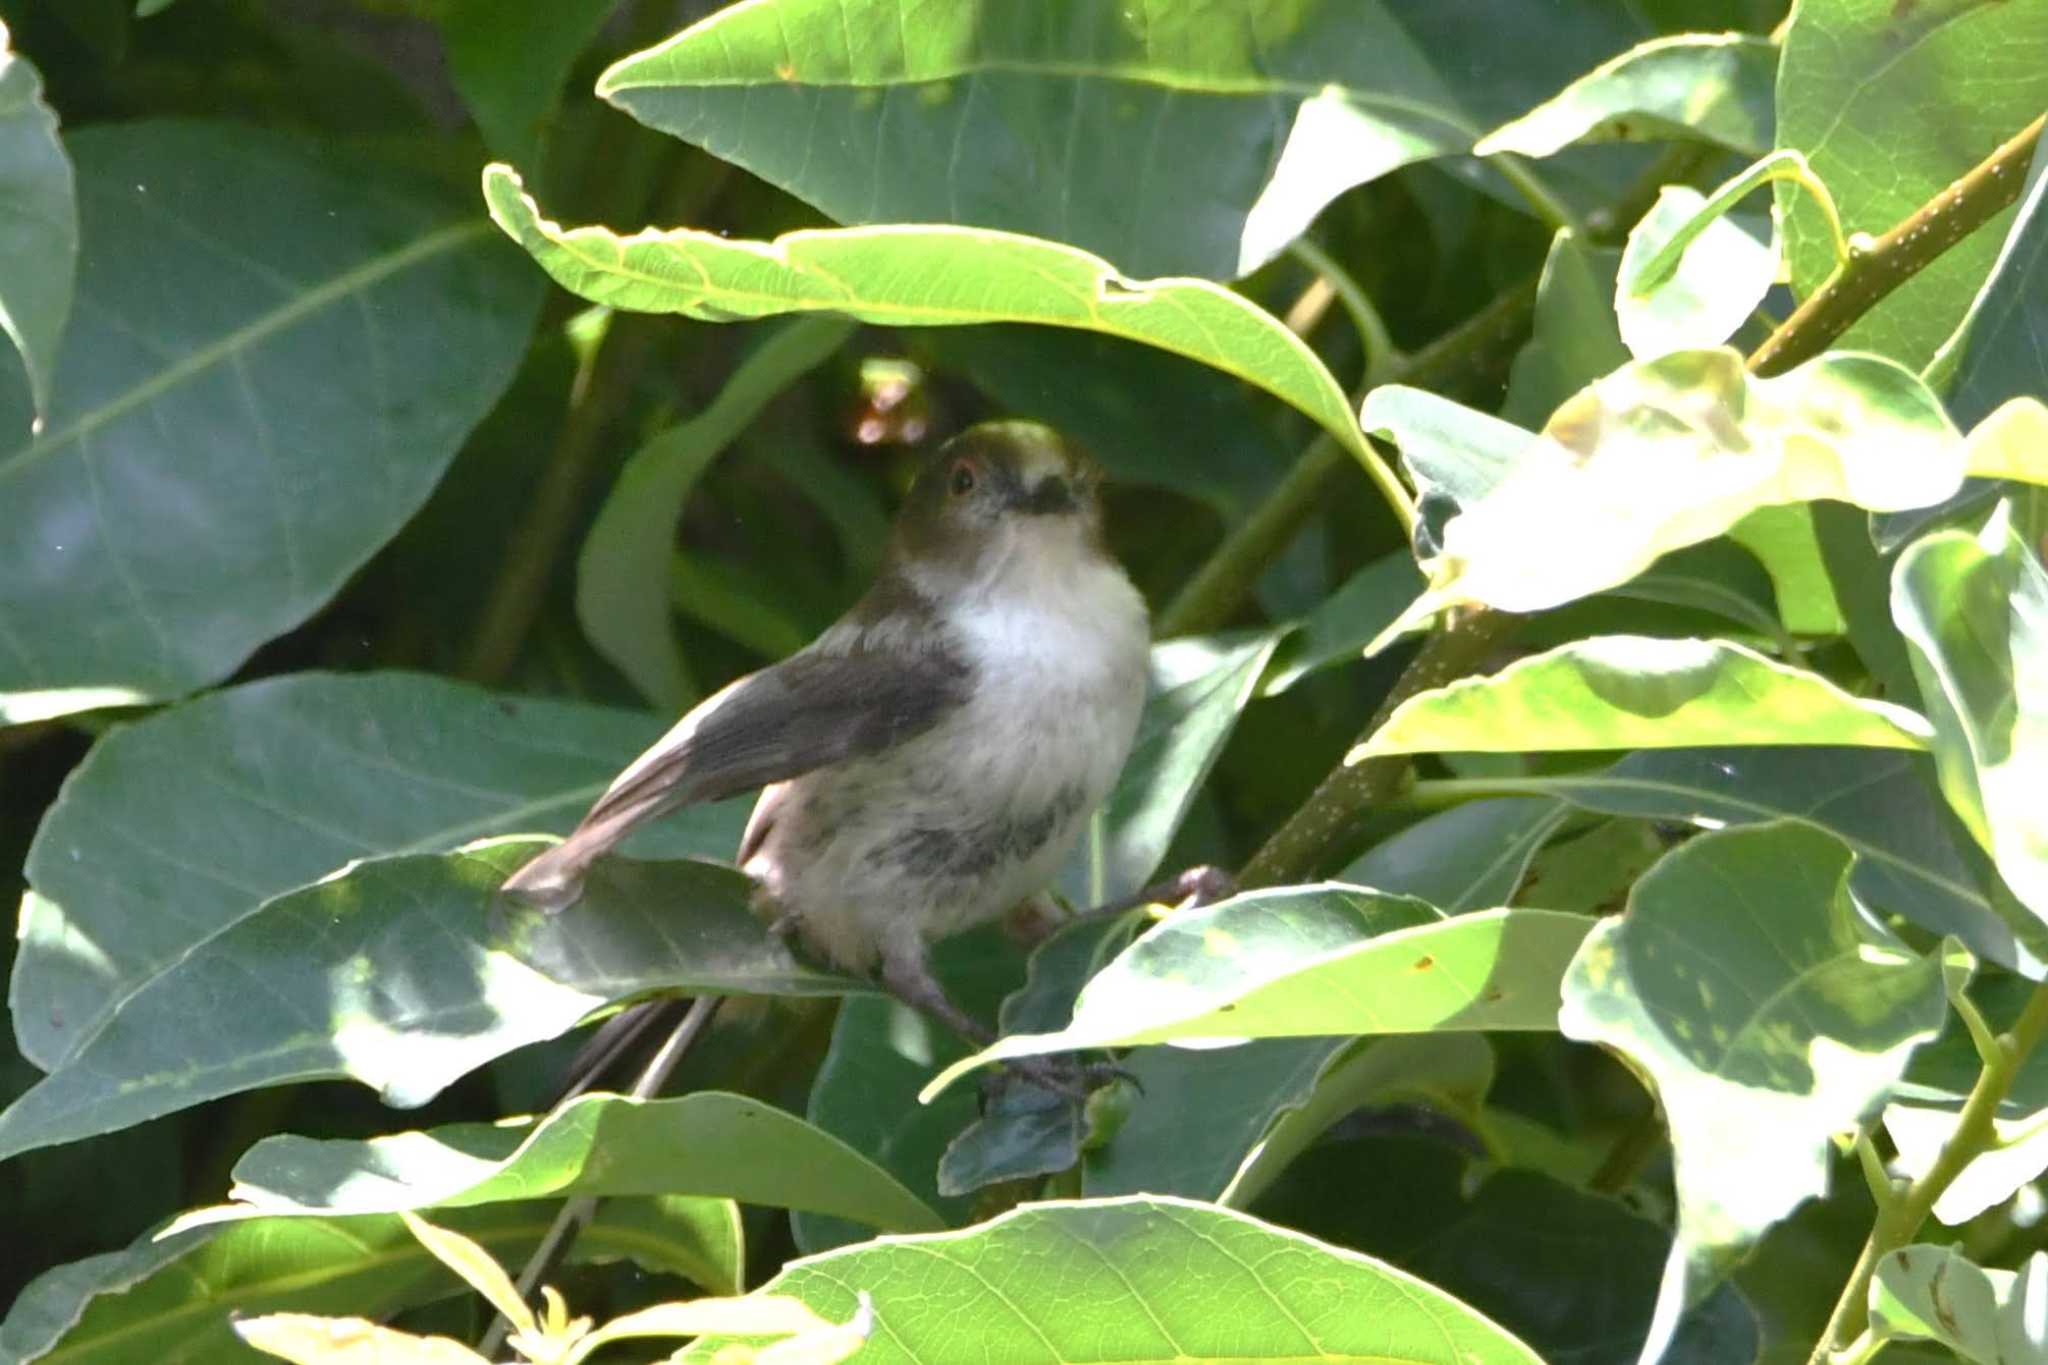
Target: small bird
point(928, 762)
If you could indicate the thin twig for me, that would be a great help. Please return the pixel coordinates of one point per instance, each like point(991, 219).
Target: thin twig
point(575, 1215)
point(1878, 266)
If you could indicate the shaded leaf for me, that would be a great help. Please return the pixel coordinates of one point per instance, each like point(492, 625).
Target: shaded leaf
point(1316, 960)
point(170, 1299)
point(1031, 118)
point(621, 575)
point(1574, 339)
point(1911, 858)
point(39, 239)
point(914, 276)
point(180, 825)
point(1198, 689)
point(1768, 1012)
point(1343, 623)
point(1466, 858)
point(1717, 576)
point(703, 1144)
point(1634, 692)
point(1890, 105)
point(1988, 1317)
point(1136, 1279)
point(1714, 86)
point(338, 980)
point(276, 354)
point(509, 62)
point(1974, 610)
point(2000, 349)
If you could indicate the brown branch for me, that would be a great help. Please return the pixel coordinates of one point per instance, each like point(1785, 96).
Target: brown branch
point(1876, 267)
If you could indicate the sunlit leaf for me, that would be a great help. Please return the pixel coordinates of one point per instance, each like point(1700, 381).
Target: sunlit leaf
point(1890, 104)
point(170, 1298)
point(1715, 86)
point(621, 579)
point(1134, 1279)
point(308, 1340)
point(39, 241)
point(1316, 960)
point(404, 974)
point(1071, 120)
point(276, 353)
point(181, 825)
point(1635, 692)
point(917, 276)
point(1974, 610)
point(1664, 453)
point(1719, 279)
point(1768, 1012)
point(1988, 1317)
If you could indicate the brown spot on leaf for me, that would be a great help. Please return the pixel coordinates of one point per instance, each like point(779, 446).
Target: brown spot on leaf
point(1425, 963)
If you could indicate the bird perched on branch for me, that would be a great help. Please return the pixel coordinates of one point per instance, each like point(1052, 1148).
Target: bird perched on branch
point(928, 762)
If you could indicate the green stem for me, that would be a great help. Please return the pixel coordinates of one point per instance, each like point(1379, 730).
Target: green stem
point(1373, 337)
point(1530, 186)
point(1875, 267)
point(1213, 595)
point(1898, 1223)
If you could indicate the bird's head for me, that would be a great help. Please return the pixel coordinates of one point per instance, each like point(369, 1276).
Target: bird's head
point(996, 492)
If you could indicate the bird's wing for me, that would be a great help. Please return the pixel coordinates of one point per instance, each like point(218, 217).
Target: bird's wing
point(807, 712)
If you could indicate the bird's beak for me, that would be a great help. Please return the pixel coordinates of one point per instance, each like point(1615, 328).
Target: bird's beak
point(1052, 496)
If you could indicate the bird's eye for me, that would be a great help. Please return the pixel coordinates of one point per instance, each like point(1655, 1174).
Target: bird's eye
point(962, 479)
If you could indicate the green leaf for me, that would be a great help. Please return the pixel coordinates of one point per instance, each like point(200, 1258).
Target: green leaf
point(1988, 1317)
point(1717, 576)
point(913, 276)
point(1768, 1012)
point(1455, 454)
point(1199, 687)
point(39, 239)
point(1574, 339)
point(705, 1144)
point(882, 1053)
point(1310, 961)
point(1666, 453)
point(509, 62)
point(338, 981)
point(1440, 859)
point(1712, 86)
point(1998, 352)
point(474, 1267)
point(1783, 537)
point(1343, 623)
point(1137, 1279)
point(1069, 120)
point(1637, 692)
point(1974, 610)
point(1720, 276)
point(295, 776)
point(1911, 859)
point(276, 354)
point(622, 574)
point(1890, 105)
point(171, 1299)
point(1574, 1274)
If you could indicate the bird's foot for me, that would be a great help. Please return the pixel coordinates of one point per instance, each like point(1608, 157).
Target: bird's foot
point(1062, 1074)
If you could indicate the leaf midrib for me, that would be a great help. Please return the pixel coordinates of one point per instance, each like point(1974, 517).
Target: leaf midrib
point(220, 350)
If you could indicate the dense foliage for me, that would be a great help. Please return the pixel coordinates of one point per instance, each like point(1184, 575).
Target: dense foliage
point(1588, 474)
